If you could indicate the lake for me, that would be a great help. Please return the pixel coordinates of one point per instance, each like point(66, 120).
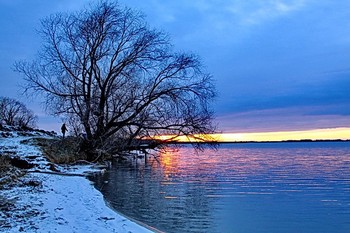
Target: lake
point(248, 187)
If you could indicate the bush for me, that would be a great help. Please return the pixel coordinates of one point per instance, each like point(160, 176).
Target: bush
point(15, 113)
point(8, 173)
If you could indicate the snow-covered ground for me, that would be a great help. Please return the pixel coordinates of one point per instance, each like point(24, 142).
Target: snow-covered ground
point(56, 203)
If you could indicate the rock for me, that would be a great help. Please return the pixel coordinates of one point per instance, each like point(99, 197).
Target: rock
point(20, 163)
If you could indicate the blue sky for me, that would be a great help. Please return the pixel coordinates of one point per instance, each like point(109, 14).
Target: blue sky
point(278, 64)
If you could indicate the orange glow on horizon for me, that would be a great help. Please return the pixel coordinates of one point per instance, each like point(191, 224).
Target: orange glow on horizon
point(316, 134)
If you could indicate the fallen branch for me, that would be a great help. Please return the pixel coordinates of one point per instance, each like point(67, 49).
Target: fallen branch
point(58, 173)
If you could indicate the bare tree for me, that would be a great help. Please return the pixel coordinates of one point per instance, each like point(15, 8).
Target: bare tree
point(15, 113)
point(117, 79)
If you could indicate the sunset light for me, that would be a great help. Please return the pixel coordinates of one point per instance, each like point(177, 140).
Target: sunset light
point(316, 134)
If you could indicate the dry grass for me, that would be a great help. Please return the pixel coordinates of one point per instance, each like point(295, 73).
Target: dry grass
point(59, 151)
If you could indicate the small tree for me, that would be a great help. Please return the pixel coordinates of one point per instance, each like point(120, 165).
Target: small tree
point(113, 77)
point(15, 113)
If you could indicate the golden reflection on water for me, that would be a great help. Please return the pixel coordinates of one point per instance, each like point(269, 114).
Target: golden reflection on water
point(170, 162)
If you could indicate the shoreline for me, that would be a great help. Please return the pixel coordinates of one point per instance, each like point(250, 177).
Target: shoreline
point(41, 202)
point(142, 224)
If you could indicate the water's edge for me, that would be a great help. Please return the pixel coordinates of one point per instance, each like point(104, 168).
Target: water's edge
point(108, 204)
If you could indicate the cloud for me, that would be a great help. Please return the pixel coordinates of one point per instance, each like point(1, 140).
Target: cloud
point(258, 12)
point(238, 18)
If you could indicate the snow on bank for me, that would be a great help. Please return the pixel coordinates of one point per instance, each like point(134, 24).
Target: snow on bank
point(56, 203)
point(70, 204)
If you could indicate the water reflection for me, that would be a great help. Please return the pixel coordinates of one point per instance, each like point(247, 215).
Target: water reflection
point(290, 187)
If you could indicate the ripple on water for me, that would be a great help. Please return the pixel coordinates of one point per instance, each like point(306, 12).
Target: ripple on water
point(286, 187)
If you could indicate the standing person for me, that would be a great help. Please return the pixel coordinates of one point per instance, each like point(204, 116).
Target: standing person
point(64, 129)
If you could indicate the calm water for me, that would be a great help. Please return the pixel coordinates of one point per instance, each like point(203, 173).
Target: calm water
point(272, 187)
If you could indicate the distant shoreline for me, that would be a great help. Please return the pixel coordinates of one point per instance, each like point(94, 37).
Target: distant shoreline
point(282, 141)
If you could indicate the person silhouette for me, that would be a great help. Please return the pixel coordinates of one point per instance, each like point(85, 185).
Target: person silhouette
point(63, 129)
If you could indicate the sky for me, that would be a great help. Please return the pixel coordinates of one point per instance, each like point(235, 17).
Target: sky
point(278, 65)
